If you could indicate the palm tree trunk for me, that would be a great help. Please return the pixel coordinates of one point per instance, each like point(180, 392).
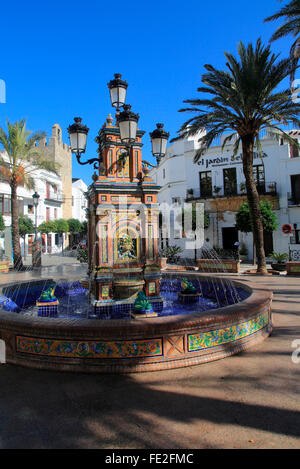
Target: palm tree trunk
point(18, 262)
point(253, 202)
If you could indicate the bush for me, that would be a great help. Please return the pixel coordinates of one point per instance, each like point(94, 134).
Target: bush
point(82, 255)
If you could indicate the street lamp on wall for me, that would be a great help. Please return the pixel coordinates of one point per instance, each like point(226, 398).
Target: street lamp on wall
point(35, 198)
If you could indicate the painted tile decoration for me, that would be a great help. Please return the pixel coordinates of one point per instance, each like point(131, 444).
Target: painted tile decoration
point(105, 291)
point(150, 242)
point(94, 349)
point(152, 287)
point(218, 337)
point(104, 244)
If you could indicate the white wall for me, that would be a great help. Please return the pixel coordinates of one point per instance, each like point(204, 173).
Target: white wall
point(177, 173)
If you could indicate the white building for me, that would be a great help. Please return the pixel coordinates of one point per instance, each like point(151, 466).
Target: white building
point(217, 180)
point(49, 187)
point(79, 201)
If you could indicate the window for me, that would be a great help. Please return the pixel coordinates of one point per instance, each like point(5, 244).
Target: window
point(175, 200)
point(47, 214)
point(295, 184)
point(6, 205)
point(205, 184)
point(229, 179)
point(55, 213)
point(110, 161)
point(30, 209)
point(72, 201)
point(136, 162)
point(47, 190)
point(294, 150)
point(259, 178)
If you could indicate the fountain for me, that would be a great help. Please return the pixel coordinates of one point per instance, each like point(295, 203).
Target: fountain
point(126, 315)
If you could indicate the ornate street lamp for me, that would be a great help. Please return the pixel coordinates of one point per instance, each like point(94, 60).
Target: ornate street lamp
point(159, 140)
point(35, 198)
point(127, 121)
point(117, 89)
point(78, 138)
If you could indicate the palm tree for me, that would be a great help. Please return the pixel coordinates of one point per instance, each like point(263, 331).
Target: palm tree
point(290, 13)
point(18, 168)
point(244, 101)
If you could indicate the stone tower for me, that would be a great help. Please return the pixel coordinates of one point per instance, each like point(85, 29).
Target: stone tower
point(60, 153)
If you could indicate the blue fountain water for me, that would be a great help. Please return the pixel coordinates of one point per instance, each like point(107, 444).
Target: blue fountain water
point(74, 301)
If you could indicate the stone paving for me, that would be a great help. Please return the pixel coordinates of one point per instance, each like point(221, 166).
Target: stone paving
point(250, 400)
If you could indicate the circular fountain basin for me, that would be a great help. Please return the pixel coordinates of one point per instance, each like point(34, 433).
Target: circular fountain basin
point(138, 345)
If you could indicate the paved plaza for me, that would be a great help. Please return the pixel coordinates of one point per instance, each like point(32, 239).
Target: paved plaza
point(250, 400)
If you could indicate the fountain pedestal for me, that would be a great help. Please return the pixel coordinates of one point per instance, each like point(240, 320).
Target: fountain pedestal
point(48, 308)
point(122, 226)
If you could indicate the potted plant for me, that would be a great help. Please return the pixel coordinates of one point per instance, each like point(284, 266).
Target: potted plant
point(171, 254)
point(280, 259)
point(243, 252)
point(243, 187)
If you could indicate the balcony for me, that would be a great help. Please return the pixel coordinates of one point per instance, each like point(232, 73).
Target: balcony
point(54, 196)
point(266, 188)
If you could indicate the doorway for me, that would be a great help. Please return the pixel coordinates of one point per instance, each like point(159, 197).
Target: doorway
point(229, 236)
point(268, 243)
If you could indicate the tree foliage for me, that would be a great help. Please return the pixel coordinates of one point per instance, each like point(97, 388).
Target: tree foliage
point(2, 224)
point(23, 160)
point(26, 226)
point(244, 222)
point(244, 100)
point(75, 226)
point(290, 14)
point(47, 227)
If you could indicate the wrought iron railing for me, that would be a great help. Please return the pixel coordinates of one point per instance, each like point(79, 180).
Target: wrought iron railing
point(264, 188)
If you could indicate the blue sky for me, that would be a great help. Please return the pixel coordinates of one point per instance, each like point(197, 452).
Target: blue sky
point(57, 58)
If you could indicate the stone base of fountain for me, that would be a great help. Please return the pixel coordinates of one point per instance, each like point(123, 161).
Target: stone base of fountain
point(47, 309)
point(188, 298)
point(102, 307)
point(145, 315)
point(127, 288)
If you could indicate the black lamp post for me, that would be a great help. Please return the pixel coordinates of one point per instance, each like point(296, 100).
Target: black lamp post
point(127, 121)
point(35, 198)
point(78, 138)
point(159, 140)
point(118, 89)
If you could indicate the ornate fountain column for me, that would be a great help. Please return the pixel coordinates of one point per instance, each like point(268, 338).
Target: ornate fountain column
point(123, 225)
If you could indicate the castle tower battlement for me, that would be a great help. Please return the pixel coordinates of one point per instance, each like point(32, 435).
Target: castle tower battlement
point(55, 149)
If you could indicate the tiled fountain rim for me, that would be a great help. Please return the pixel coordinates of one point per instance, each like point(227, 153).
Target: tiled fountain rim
point(258, 300)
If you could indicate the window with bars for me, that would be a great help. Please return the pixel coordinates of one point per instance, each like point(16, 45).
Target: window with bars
point(205, 183)
point(5, 205)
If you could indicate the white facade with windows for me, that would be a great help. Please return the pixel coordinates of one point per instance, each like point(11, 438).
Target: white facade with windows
point(79, 201)
point(49, 187)
point(217, 180)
